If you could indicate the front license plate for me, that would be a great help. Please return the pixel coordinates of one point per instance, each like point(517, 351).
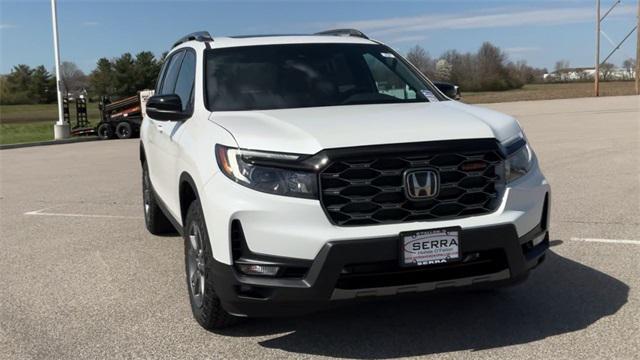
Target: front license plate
point(428, 247)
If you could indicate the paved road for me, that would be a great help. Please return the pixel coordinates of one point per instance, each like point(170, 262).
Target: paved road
point(80, 277)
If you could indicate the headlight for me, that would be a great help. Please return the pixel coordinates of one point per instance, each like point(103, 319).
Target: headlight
point(519, 163)
point(261, 171)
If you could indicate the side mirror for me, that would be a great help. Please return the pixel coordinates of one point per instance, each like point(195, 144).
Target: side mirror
point(166, 108)
point(448, 89)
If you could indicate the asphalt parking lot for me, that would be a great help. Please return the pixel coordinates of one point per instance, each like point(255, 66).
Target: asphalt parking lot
point(81, 278)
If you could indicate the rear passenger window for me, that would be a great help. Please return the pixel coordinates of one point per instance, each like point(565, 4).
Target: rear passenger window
point(186, 78)
point(169, 81)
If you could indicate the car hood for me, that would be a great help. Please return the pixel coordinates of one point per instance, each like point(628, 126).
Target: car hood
point(310, 130)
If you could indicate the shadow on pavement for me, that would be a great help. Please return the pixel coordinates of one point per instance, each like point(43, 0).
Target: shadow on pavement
point(560, 297)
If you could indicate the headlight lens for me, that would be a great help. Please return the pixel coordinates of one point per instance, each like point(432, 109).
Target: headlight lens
point(242, 167)
point(519, 163)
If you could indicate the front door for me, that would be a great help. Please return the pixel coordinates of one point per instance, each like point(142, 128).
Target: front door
point(178, 78)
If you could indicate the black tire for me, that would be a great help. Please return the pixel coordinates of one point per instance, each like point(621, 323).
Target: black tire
point(205, 304)
point(154, 219)
point(105, 131)
point(124, 130)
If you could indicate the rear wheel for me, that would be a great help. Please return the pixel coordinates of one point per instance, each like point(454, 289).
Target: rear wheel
point(205, 304)
point(105, 131)
point(154, 219)
point(123, 130)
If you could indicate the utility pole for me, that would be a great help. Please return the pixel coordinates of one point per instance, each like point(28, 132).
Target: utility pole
point(638, 52)
point(596, 74)
point(61, 128)
point(616, 46)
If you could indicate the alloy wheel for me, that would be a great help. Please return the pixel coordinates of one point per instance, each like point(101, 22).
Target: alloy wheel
point(195, 265)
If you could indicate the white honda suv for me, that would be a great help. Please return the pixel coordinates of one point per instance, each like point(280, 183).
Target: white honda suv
point(306, 170)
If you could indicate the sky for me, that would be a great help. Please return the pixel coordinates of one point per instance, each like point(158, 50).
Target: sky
point(540, 32)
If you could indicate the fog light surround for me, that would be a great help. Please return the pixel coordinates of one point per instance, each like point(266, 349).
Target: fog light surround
point(259, 269)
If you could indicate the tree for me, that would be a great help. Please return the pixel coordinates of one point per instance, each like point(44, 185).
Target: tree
point(525, 73)
point(146, 69)
point(629, 65)
point(125, 75)
point(488, 69)
point(25, 85)
point(443, 70)
point(73, 79)
point(492, 69)
point(119, 77)
point(5, 93)
point(463, 70)
point(606, 71)
point(42, 87)
point(124, 72)
point(101, 79)
point(561, 65)
point(16, 89)
point(20, 77)
point(421, 60)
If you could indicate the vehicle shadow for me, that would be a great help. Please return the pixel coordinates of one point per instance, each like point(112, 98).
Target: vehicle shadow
point(559, 297)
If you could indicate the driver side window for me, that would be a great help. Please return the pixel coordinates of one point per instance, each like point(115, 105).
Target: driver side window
point(186, 79)
point(168, 83)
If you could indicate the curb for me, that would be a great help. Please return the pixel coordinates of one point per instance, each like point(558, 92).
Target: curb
point(49, 142)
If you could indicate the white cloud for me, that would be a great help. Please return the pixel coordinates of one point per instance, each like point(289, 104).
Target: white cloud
point(487, 19)
point(405, 39)
point(522, 49)
point(7, 26)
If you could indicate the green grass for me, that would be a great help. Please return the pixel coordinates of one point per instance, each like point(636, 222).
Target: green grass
point(27, 132)
point(30, 123)
point(42, 112)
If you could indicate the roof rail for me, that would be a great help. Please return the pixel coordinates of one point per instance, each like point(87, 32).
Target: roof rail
point(197, 36)
point(343, 32)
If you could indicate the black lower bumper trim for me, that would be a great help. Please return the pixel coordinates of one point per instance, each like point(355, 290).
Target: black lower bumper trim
point(495, 251)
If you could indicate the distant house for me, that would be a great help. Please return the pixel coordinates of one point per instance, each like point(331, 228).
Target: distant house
point(570, 74)
point(587, 73)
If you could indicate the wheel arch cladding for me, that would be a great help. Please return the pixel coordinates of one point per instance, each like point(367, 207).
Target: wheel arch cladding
point(187, 193)
point(143, 156)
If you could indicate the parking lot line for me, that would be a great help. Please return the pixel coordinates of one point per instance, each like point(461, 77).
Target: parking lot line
point(609, 241)
point(42, 212)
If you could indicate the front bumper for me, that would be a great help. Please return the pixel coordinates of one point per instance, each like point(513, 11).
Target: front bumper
point(343, 263)
point(299, 228)
point(494, 255)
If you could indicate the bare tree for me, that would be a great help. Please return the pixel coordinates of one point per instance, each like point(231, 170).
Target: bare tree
point(562, 65)
point(494, 75)
point(606, 71)
point(73, 79)
point(629, 65)
point(443, 70)
point(489, 69)
point(422, 60)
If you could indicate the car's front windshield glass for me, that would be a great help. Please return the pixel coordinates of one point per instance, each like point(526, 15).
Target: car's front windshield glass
point(306, 75)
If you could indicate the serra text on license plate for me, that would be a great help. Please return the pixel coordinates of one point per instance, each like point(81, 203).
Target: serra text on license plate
point(430, 247)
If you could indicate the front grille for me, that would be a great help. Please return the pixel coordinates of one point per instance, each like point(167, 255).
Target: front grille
point(368, 188)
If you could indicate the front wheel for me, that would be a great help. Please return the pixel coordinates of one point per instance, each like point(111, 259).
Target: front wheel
point(205, 304)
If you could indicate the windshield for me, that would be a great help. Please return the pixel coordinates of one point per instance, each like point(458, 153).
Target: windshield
point(305, 75)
